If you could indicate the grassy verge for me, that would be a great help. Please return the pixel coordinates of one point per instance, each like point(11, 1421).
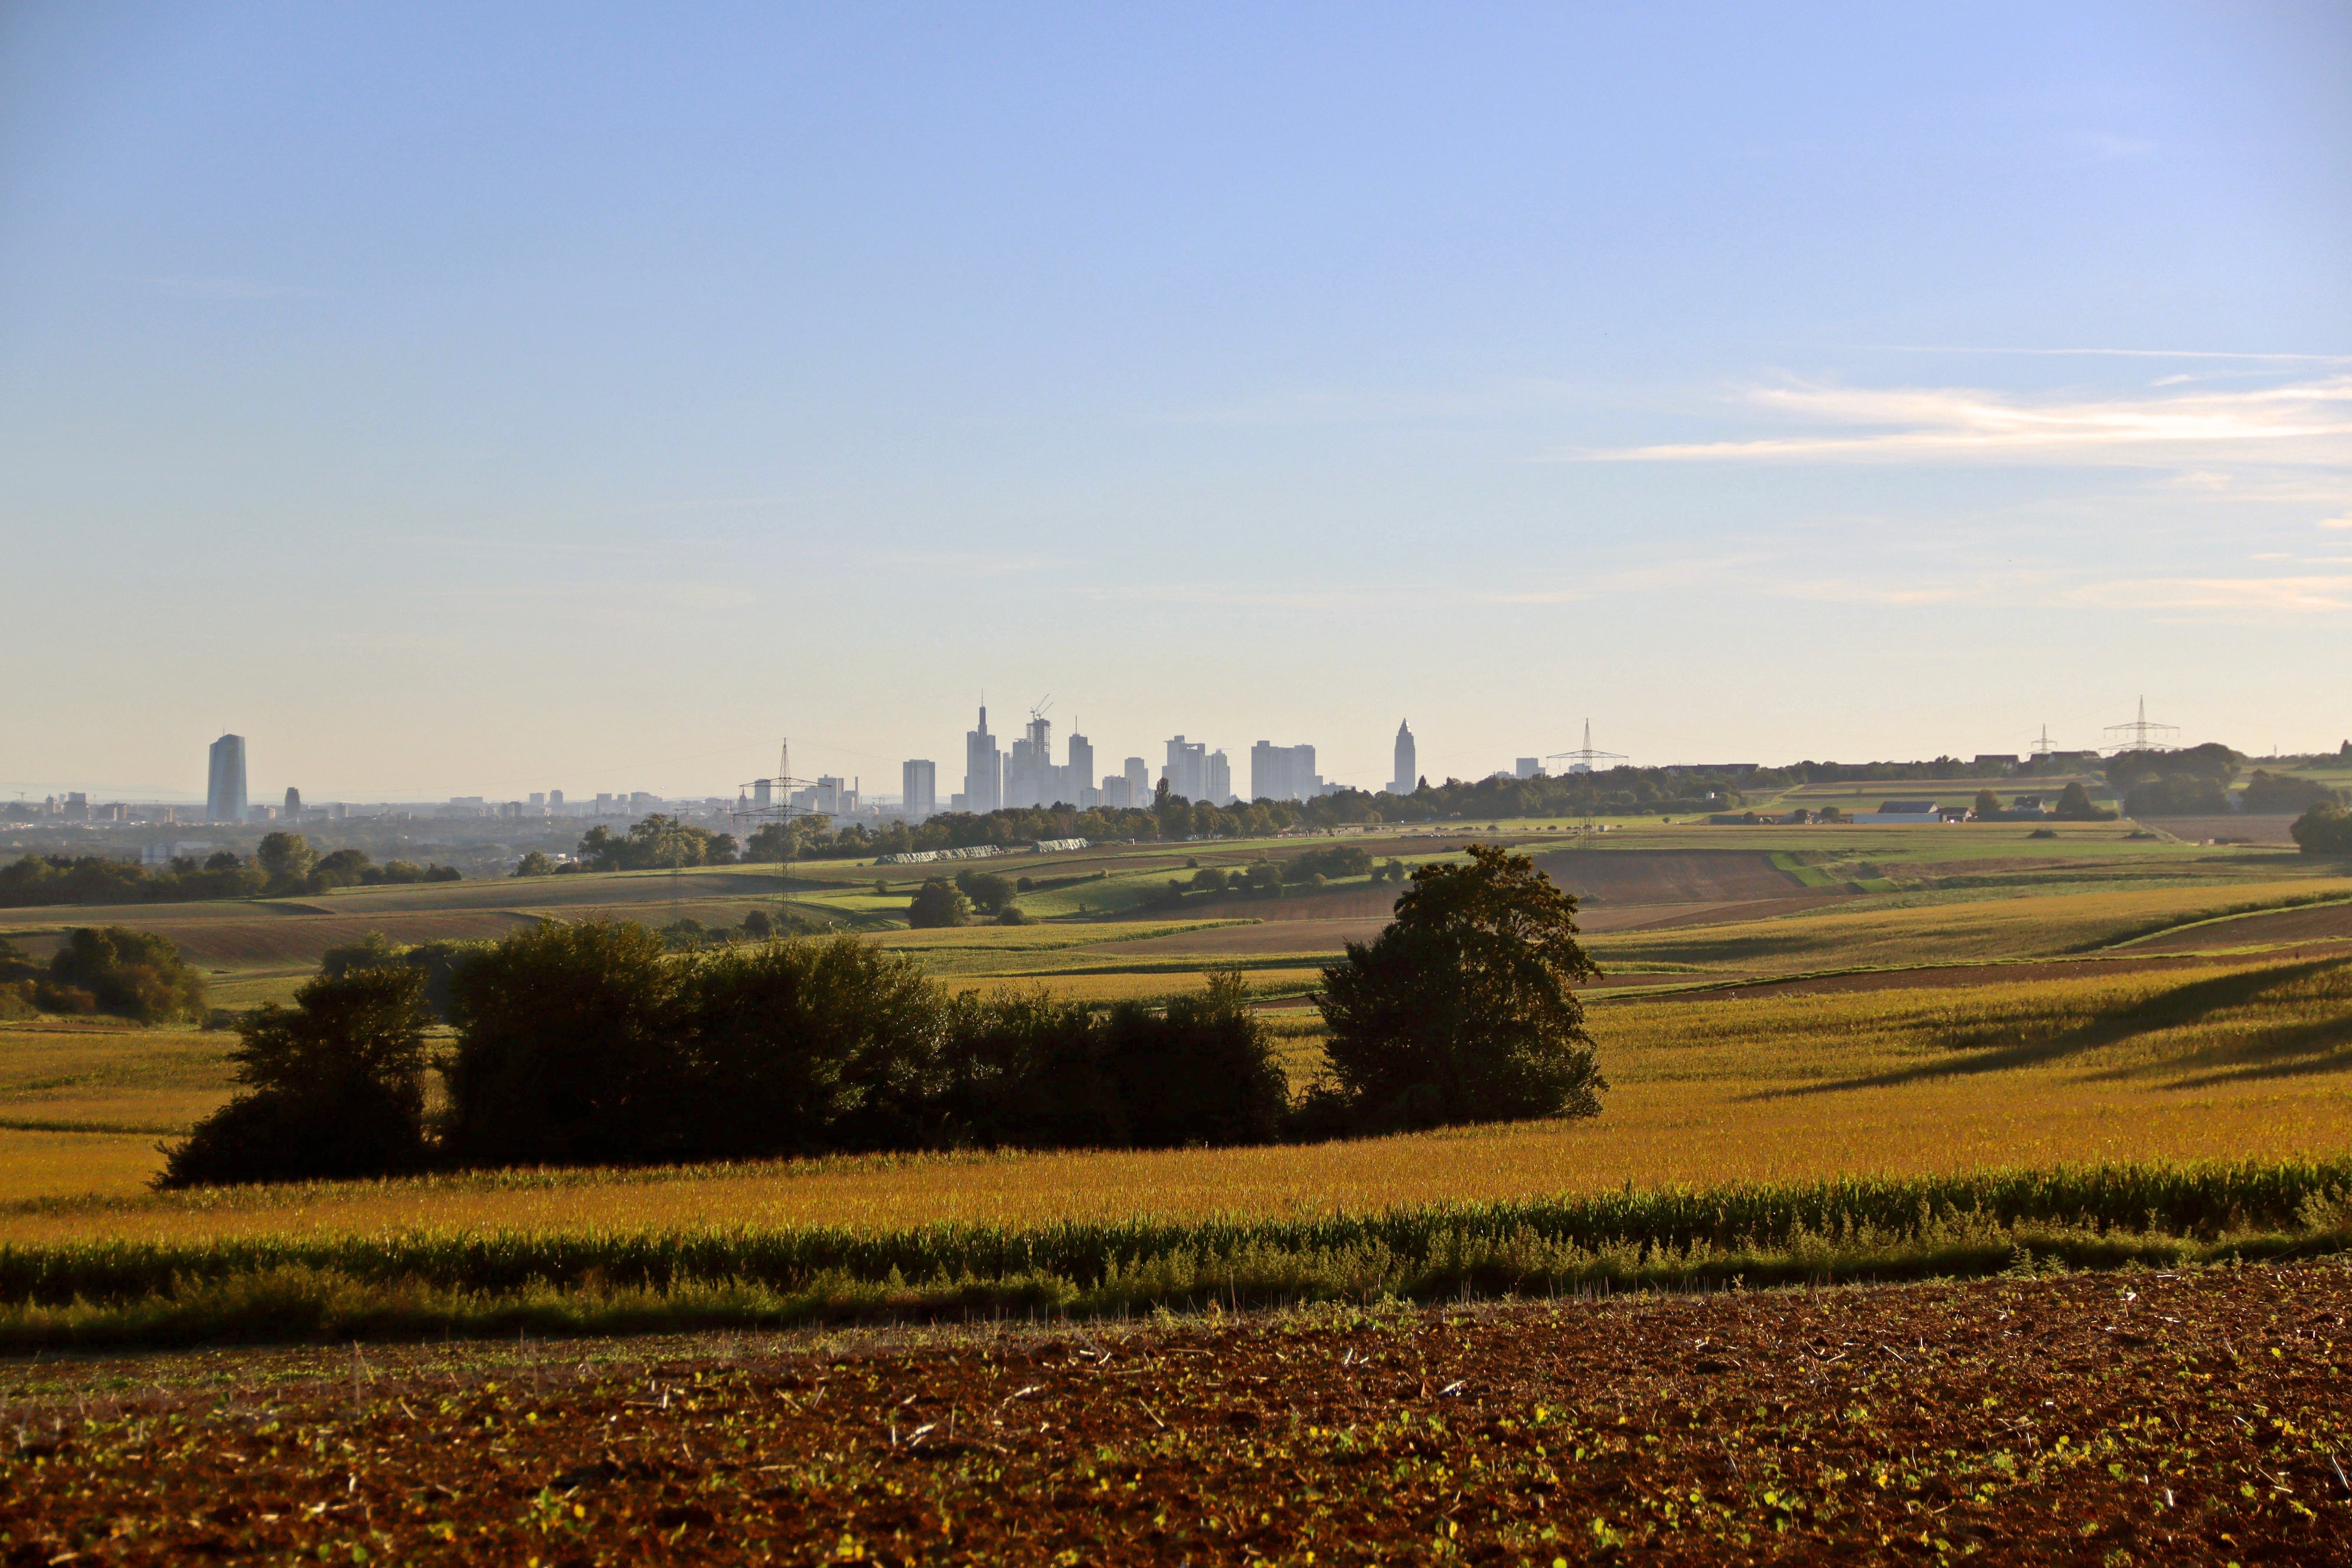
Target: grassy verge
point(93, 1294)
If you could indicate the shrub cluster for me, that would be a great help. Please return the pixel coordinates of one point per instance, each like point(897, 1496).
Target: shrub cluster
point(2325, 829)
point(106, 969)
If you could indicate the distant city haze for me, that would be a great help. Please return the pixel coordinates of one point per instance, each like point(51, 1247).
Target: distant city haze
point(462, 403)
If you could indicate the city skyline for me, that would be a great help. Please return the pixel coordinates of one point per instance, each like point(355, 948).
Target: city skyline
point(1403, 747)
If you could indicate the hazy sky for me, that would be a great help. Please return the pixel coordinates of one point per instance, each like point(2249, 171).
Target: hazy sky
point(465, 399)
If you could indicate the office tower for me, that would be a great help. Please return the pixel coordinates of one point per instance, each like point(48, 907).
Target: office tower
point(1116, 794)
point(1029, 770)
point(1529, 767)
point(1080, 773)
point(555, 801)
point(1187, 768)
point(1284, 773)
point(539, 800)
point(1408, 768)
point(1220, 778)
point(919, 789)
point(763, 793)
point(641, 803)
point(224, 793)
point(983, 769)
point(293, 811)
point(1139, 782)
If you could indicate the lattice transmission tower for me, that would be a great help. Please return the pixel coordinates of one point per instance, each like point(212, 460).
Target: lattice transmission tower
point(2139, 735)
point(1584, 759)
point(763, 801)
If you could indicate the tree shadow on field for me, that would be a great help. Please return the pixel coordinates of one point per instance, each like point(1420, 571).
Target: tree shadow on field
point(2307, 1031)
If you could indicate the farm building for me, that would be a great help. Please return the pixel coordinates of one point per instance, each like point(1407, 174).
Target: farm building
point(1903, 813)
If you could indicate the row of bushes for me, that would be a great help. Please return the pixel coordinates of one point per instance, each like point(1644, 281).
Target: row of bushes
point(594, 1044)
point(597, 1043)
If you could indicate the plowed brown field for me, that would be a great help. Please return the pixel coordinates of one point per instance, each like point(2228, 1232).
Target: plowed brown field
point(2137, 1418)
point(1609, 877)
point(2328, 923)
point(296, 940)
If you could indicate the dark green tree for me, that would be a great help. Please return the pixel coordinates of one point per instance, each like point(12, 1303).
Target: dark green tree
point(804, 1045)
point(535, 864)
point(570, 1049)
point(1988, 805)
point(2074, 805)
point(113, 969)
point(335, 1088)
point(286, 859)
point(990, 893)
point(2325, 829)
point(1464, 1008)
point(938, 902)
point(1200, 1071)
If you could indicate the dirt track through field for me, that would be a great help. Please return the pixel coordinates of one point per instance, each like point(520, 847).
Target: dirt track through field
point(2092, 1419)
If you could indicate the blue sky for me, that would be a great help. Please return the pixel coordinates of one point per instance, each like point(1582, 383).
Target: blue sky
point(568, 397)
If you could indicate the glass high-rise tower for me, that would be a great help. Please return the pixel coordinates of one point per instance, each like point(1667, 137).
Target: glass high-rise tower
point(224, 791)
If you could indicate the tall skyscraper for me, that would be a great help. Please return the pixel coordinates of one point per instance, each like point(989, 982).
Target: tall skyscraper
point(919, 789)
point(1284, 773)
point(983, 769)
point(1220, 778)
point(1139, 782)
point(1187, 768)
point(293, 811)
point(1080, 773)
point(1408, 767)
point(224, 792)
point(1029, 769)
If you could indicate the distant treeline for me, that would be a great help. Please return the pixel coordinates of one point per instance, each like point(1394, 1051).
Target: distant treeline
point(284, 863)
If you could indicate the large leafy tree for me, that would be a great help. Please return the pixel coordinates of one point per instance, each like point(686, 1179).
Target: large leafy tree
point(1464, 1009)
point(336, 1087)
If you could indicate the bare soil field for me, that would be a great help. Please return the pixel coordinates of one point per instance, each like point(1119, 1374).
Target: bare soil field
point(1250, 941)
point(2189, 1417)
point(1667, 876)
point(282, 941)
point(2328, 923)
point(1660, 917)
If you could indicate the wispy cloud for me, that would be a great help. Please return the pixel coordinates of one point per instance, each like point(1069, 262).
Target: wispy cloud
point(2343, 521)
point(2308, 421)
point(2011, 351)
point(2291, 596)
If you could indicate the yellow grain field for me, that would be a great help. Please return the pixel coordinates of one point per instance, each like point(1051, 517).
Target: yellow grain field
point(2206, 1062)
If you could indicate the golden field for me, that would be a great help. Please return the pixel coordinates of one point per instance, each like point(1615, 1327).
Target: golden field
point(2204, 1060)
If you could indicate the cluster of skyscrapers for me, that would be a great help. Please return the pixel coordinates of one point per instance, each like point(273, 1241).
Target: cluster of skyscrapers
point(994, 779)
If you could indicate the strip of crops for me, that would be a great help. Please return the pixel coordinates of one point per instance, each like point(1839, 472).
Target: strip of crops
point(591, 1281)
